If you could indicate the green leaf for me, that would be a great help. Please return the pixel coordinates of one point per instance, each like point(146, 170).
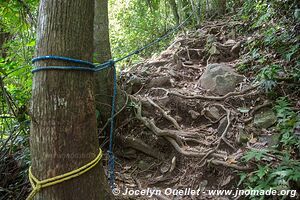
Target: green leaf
point(254, 154)
point(31, 43)
point(243, 110)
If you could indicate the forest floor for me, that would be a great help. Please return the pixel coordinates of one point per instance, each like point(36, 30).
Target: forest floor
point(189, 119)
point(190, 131)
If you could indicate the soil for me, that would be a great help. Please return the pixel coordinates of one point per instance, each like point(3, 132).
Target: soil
point(169, 138)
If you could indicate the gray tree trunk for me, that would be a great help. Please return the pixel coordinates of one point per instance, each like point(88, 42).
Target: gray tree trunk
point(63, 129)
point(3, 39)
point(221, 6)
point(102, 53)
point(174, 10)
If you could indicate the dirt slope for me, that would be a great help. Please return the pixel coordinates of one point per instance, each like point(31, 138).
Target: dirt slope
point(182, 133)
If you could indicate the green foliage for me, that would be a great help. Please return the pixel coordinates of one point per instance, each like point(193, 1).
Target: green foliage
point(276, 39)
point(287, 122)
point(18, 22)
point(134, 23)
point(283, 172)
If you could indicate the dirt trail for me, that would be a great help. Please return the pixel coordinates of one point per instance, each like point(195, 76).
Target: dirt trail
point(182, 133)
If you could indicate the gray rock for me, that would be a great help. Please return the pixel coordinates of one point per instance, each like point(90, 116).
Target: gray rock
point(211, 39)
point(214, 50)
point(142, 165)
point(222, 126)
point(129, 153)
point(236, 48)
point(160, 82)
point(242, 137)
point(220, 79)
point(164, 168)
point(213, 113)
point(194, 114)
point(265, 119)
point(270, 140)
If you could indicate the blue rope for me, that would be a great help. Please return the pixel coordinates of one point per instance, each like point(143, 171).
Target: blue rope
point(111, 162)
point(63, 59)
point(90, 67)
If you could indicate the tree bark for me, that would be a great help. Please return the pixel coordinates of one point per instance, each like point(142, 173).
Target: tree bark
point(63, 128)
point(3, 39)
point(102, 53)
point(174, 10)
point(220, 7)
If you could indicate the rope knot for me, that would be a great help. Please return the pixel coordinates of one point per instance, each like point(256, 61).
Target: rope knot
point(38, 187)
point(111, 62)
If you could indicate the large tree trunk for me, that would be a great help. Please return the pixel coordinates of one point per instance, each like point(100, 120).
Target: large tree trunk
point(219, 7)
point(102, 50)
point(222, 6)
point(63, 129)
point(174, 10)
point(102, 53)
point(3, 39)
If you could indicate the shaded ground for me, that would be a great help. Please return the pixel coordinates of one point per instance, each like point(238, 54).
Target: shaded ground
point(179, 130)
point(180, 135)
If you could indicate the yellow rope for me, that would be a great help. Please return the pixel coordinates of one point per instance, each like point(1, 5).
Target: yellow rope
point(37, 185)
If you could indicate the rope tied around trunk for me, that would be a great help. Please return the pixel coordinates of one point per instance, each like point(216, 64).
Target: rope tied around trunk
point(38, 185)
point(93, 68)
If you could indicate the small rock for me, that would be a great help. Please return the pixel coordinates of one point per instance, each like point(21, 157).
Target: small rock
point(265, 119)
point(270, 140)
point(214, 50)
point(188, 62)
point(242, 137)
point(222, 126)
point(173, 164)
point(220, 79)
point(142, 165)
point(172, 73)
point(225, 83)
point(129, 153)
point(202, 185)
point(134, 84)
point(236, 49)
point(178, 118)
point(230, 42)
point(213, 113)
point(164, 168)
point(160, 82)
point(194, 114)
point(211, 39)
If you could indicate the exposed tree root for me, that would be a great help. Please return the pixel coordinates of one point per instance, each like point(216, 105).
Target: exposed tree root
point(223, 136)
point(160, 197)
point(216, 98)
point(176, 139)
point(139, 145)
point(191, 153)
point(255, 109)
point(177, 142)
point(225, 164)
point(168, 117)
